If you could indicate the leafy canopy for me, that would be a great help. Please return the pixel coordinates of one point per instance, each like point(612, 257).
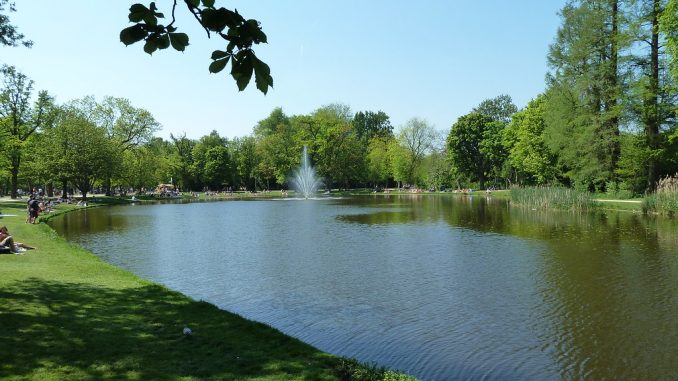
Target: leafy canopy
point(238, 33)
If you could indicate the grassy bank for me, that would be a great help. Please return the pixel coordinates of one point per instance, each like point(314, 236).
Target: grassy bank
point(67, 315)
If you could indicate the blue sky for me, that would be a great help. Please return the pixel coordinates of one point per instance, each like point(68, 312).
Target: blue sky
point(434, 60)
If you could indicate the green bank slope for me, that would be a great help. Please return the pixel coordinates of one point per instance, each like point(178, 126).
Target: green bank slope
point(67, 315)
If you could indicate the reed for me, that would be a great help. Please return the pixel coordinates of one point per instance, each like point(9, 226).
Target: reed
point(665, 199)
point(552, 198)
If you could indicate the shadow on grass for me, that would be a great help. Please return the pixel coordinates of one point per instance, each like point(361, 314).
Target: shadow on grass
point(59, 330)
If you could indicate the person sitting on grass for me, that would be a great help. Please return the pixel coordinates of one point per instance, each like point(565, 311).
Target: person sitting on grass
point(6, 240)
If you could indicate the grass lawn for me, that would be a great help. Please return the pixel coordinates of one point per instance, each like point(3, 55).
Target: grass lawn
point(67, 315)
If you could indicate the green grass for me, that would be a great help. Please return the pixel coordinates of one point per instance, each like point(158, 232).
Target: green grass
point(552, 198)
point(67, 315)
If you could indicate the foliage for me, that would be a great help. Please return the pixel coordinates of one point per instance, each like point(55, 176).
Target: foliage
point(583, 112)
point(417, 138)
point(552, 198)
point(369, 125)
point(669, 26)
point(18, 119)
point(352, 369)
point(499, 109)
point(464, 146)
point(238, 33)
point(9, 34)
point(529, 155)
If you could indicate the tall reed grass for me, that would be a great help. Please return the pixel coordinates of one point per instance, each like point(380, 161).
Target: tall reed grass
point(665, 199)
point(552, 198)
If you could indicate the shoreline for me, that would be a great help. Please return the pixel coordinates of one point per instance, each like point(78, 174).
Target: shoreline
point(67, 314)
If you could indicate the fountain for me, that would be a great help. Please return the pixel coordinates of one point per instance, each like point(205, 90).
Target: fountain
point(304, 180)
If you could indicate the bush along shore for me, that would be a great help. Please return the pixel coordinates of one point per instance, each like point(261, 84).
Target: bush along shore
point(67, 315)
point(665, 199)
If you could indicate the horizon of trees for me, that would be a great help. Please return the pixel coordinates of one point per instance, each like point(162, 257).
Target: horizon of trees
point(607, 121)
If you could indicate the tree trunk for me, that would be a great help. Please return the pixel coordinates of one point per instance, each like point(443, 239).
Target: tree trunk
point(651, 111)
point(64, 186)
point(615, 149)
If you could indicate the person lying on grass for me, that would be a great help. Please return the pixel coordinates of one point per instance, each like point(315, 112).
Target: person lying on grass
point(7, 240)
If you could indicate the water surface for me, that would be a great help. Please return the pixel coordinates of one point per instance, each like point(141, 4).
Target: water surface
point(440, 287)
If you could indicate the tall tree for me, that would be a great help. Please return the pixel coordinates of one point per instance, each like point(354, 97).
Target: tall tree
point(653, 90)
point(368, 125)
point(499, 109)
point(9, 34)
point(418, 138)
point(529, 155)
point(18, 119)
point(585, 78)
point(78, 150)
point(465, 149)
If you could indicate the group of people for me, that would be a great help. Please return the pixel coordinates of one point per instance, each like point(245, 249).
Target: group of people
point(7, 243)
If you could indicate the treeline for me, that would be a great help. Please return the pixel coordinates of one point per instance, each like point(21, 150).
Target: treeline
point(606, 121)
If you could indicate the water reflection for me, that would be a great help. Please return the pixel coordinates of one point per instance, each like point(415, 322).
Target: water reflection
point(442, 287)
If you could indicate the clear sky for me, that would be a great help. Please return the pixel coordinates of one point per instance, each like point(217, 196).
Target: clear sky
point(433, 59)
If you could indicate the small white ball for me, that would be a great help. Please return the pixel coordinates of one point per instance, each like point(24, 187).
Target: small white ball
point(187, 331)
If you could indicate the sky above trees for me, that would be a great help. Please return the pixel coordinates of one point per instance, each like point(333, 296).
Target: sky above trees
point(434, 60)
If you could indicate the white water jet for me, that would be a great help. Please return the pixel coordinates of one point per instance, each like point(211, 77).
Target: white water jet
point(304, 180)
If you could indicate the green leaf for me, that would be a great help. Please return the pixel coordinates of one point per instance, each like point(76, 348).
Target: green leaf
point(208, 3)
point(255, 31)
point(214, 19)
point(241, 71)
point(194, 3)
point(150, 46)
point(132, 34)
point(262, 74)
point(179, 41)
point(151, 20)
point(163, 42)
point(137, 12)
point(218, 54)
point(218, 65)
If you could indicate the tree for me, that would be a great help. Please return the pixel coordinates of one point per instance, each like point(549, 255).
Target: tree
point(668, 24)
point(585, 89)
point(211, 162)
point(277, 147)
point(499, 109)
point(244, 157)
point(334, 147)
point(418, 138)
point(9, 34)
point(652, 96)
point(529, 155)
point(379, 160)
point(370, 124)
point(464, 146)
point(79, 150)
point(182, 160)
point(18, 120)
point(238, 33)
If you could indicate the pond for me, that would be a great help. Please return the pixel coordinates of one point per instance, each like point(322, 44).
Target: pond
point(442, 287)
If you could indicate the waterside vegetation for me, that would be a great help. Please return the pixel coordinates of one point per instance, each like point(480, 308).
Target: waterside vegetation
point(552, 198)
